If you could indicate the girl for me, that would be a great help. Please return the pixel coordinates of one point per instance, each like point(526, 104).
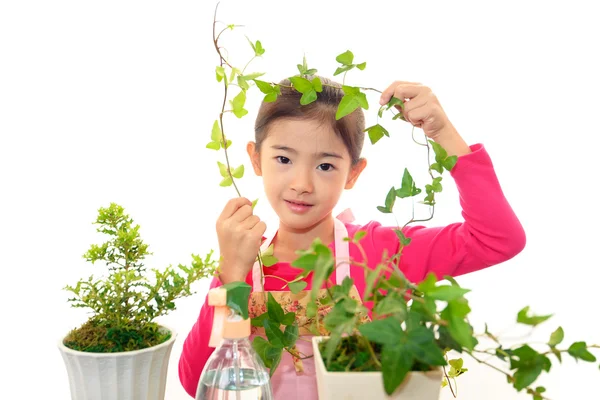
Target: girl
point(306, 159)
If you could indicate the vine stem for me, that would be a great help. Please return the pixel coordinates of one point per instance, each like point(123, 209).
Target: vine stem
point(223, 137)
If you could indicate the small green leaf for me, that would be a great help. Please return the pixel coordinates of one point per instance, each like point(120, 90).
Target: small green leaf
point(259, 49)
point(254, 202)
point(223, 169)
point(362, 66)
point(290, 335)
point(238, 294)
point(226, 182)
point(345, 58)
point(450, 162)
point(252, 76)
point(317, 84)
point(215, 134)
point(447, 293)
point(213, 145)
point(358, 236)
point(579, 351)
point(556, 337)
point(274, 309)
point(301, 84)
point(437, 167)
point(273, 333)
point(384, 210)
point(376, 132)
point(343, 69)
point(396, 362)
point(353, 98)
point(311, 309)
point(288, 319)
point(243, 83)
point(263, 86)
point(297, 287)
point(238, 173)
point(258, 321)
point(523, 317)
point(390, 199)
point(238, 104)
point(220, 72)
point(269, 261)
point(391, 304)
point(405, 241)
point(409, 187)
point(382, 331)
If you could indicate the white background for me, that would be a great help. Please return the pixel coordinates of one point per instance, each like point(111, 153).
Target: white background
point(113, 101)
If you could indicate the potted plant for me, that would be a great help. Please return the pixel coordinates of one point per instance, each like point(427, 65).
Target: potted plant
point(401, 347)
point(120, 352)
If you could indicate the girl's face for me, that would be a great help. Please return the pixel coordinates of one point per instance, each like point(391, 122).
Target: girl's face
point(305, 167)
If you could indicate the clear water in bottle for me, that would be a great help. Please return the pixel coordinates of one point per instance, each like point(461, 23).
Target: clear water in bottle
point(234, 372)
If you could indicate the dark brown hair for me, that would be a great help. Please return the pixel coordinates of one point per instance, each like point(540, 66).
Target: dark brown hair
point(349, 128)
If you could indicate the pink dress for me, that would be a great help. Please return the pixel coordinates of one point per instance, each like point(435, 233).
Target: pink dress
point(490, 234)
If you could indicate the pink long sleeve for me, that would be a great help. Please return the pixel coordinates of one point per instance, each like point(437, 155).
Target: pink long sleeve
point(490, 234)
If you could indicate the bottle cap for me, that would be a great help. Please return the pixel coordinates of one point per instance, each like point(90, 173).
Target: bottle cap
point(226, 324)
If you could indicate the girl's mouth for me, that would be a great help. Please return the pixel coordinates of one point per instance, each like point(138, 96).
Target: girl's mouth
point(298, 207)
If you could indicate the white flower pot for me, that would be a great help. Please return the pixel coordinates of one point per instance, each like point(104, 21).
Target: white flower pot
point(129, 375)
point(369, 385)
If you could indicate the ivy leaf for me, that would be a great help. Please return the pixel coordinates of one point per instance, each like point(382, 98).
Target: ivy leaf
point(215, 134)
point(269, 261)
point(384, 210)
point(238, 173)
point(342, 69)
point(382, 331)
point(317, 84)
point(258, 321)
point(290, 335)
point(376, 132)
point(441, 158)
point(396, 362)
point(223, 169)
point(226, 182)
point(450, 162)
point(420, 341)
point(460, 330)
point(270, 355)
point(345, 58)
point(579, 351)
point(556, 337)
point(274, 309)
point(213, 146)
point(238, 104)
point(405, 241)
point(362, 66)
point(307, 88)
point(437, 167)
point(254, 202)
point(270, 91)
point(409, 188)
point(220, 72)
point(234, 72)
point(392, 304)
point(353, 98)
point(258, 49)
point(297, 287)
point(238, 294)
point(358, 236)
point(523, 317)
point(288, 319)
point(252, 76)
point(447, 293)
point(273, 333)
point(528, 367)
point(243, 83)
point(390, 199)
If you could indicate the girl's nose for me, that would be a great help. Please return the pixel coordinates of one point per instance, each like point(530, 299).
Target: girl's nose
point(302, 182)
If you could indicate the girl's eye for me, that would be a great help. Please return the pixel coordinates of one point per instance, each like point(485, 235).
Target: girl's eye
point(326, 167)
point(283, 160)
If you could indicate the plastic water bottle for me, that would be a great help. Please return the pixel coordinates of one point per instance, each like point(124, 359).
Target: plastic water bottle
point(234, 371)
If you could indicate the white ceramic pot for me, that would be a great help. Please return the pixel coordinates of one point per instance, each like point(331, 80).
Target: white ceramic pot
point(369, 385)
point(129, 375)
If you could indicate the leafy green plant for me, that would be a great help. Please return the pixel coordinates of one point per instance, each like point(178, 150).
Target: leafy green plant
point(413, 326)
point(125, 303)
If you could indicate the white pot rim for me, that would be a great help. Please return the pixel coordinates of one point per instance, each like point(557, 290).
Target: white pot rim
point(166, 343)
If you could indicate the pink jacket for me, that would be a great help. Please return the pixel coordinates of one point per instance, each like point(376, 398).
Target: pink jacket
point(490, 234)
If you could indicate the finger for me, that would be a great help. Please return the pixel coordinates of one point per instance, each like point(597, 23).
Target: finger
point(417, 116)
point(249, 222)
point(259, 229)
point(242, 213)
point(408, 87)
point(232, 206)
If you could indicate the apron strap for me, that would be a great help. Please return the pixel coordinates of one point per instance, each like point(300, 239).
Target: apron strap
point(342, 251)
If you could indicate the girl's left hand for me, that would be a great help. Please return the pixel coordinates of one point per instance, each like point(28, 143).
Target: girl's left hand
point(421, 107)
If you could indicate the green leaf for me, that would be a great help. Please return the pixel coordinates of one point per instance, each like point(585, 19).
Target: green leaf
point(223, 169)
point(361, 66)
point(226, 182)
point(376, 132)
point(529, 366)
point(384, 210)
point(394, 101)
point(259, 50)
point(288, 318)
point(274, 309)
point(338, 318)
point(353, 98)
point(311, 310)
point(396, 362)
point(258, 321)
point(345, 58)
point(290, 335)
point(447, 293)
point(301, 84)
point(307, 88)
point(215, 134)
point(358, 236)
point(269, 261)
point(273, 333)
point(213, 145)
point(420, 341)
point(390, 199)
point(297, 287)
point(437, 167)
point(317, 84)
point(220, 72)
point(343, 69)
point(253, 75)
point(556, 337)
point(254, 202)
point(382, 331)
point(460, 330)
point(392, 304)
point(238, 173)
point(238, 294)
point(306, 262)
point(234, 72)
point(409, 187)
point(523, 317)
point(243, 83)
point(263, 86)
point(270, 355)
point(579, 351)
point(405, 241)
point(238, 104)
point(450, 162)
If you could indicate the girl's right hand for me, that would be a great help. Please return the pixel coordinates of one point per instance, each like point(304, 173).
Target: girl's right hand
point(240, 235)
